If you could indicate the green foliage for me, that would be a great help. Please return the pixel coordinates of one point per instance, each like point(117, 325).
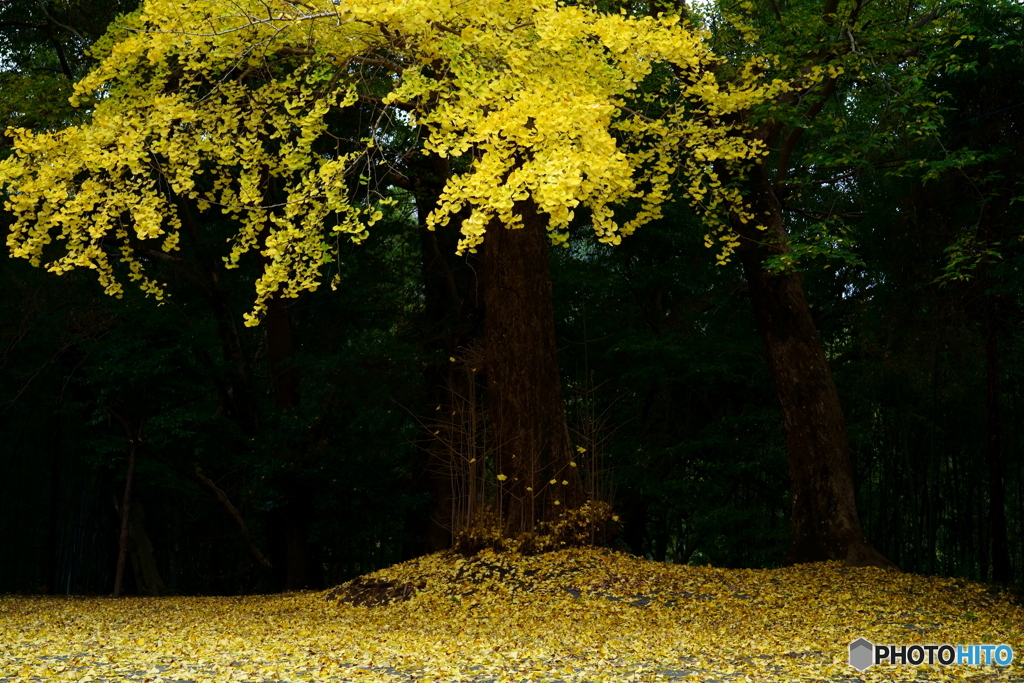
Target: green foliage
point(667, 354)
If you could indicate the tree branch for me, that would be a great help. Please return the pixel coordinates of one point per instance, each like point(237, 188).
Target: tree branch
point(236, 515)
point(782, 168)
point(369, 61)
point(63, 27)
point(925, 19)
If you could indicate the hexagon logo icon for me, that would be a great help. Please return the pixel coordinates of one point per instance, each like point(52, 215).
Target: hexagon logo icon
point(862, 654)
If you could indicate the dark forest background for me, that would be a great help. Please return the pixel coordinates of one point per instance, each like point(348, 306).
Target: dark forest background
point(295, 454)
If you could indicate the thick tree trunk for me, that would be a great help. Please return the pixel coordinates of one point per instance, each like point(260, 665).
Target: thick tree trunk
point(825, 525)
point(1002, 571)
point(530, 438)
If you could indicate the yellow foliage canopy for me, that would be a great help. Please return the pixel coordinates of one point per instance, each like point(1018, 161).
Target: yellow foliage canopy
point(207, 101)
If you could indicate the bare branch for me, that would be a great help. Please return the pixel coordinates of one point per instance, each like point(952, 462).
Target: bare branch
point(373, 99)
point(637, 114)
point(63, 27)
point(378, 61)
point(252, 21)
point(243, 528)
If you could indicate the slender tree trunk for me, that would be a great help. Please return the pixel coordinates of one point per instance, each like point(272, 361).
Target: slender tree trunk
point(530, 436)
point(52, 566)
point(283, 375)
point(634, 532)
point(147, 576)
point(1002, 571)
point(825, 522)
point(126, 508)
point(237, 395)
point(296, 513)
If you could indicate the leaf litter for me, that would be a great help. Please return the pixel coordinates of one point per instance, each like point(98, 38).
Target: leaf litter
point(579, 615)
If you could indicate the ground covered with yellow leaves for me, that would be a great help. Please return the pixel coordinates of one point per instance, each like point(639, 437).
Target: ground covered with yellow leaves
point(574, 615)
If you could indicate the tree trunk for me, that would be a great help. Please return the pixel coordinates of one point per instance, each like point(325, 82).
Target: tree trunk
point(51, 565)
point(1002, 571)
point(147, 576)
point(530, 437)
point(825, 525)
point(283, 376)
point(126, 507)
point(296, 514)
point(634, 532)
point(237, 395)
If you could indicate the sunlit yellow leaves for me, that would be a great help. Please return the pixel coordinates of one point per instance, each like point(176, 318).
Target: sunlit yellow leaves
point(201, 101)
point(577, 615)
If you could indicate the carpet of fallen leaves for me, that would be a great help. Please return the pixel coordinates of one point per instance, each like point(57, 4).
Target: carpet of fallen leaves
point(575, 615)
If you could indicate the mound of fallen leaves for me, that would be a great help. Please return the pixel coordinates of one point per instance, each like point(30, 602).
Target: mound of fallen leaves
point(574, 615)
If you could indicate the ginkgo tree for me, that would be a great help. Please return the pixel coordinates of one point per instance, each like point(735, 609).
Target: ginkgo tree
point(551, 108)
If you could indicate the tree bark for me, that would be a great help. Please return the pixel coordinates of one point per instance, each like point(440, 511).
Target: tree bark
point(1002, 570)
point(126, 507)
point(147, 576)
point(825, 525)
point(296, 513)
point(51, 564)
point(283, 376)
point(237, 395)
point(530, 437)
